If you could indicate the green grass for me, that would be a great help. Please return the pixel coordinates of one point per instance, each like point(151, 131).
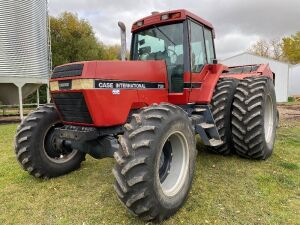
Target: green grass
point(226, 190)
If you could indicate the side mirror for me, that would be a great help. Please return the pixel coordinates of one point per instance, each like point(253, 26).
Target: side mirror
point(215, 61)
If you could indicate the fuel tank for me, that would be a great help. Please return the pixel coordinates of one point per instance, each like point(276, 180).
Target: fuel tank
point(103, 93)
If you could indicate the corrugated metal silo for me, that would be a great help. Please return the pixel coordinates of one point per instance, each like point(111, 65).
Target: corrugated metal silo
point(24, 48)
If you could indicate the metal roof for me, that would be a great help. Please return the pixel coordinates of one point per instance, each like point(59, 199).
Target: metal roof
point(250, 53)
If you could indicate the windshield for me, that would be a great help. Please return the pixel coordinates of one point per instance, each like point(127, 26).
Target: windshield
point(159, 43)
point(162, 43)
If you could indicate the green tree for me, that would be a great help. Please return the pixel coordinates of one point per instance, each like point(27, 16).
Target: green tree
point(111, 52)
point(73, 39)
point(32, 99)
point(291, 48)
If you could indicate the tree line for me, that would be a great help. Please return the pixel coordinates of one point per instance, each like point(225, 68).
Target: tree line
point(72, 40)
point(286, 49)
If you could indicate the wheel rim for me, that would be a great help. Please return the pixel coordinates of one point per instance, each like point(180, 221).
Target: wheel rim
point(268, 119)
point(52, 151)
point(173, 164)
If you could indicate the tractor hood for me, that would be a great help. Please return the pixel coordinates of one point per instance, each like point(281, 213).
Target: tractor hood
point(109, 74)
point(102, 93)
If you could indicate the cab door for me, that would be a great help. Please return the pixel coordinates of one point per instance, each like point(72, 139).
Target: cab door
point(202, 54)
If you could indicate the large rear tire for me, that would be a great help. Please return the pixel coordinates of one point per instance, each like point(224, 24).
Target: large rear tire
point(155, 162)
point(35, 146)
point(221, 107)
point(254, 118)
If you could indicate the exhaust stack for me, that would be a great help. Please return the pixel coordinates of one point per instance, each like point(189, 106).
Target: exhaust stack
point(123, 40)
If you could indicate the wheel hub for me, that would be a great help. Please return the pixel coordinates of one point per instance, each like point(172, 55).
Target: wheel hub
point(268, 119)
point(54, 148)
point(173, 164)
point(165, 161)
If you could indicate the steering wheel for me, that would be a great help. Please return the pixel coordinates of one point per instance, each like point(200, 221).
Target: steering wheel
point(144, 52)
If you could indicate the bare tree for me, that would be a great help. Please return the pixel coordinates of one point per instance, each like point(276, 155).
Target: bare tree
point(268, 48)
point(276, 46)
point(261, 48)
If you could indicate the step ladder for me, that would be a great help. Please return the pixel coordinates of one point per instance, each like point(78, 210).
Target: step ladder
point(205, 125)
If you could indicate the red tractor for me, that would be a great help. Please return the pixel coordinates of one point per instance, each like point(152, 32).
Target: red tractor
point(146, 111)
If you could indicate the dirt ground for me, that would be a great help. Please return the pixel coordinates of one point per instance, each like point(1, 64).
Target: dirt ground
point(289, 114)
point(9, 119)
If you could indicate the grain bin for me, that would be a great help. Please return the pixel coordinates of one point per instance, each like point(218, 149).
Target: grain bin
point(24, 49)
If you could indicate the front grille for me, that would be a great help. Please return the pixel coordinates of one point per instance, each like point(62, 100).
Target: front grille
point(72, 107)
point(67, 71)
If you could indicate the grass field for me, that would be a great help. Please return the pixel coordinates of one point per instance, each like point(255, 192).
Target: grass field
point(226, 190)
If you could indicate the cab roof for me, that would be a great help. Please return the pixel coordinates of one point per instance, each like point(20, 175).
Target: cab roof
point(181, 15)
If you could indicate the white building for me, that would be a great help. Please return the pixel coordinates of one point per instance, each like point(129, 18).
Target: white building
point(294, 81)
point(280, 69)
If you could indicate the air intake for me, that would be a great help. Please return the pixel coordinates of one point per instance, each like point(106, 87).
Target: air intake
point(72, 70)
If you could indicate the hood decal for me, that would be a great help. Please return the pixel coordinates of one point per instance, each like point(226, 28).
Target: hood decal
point(113, 84)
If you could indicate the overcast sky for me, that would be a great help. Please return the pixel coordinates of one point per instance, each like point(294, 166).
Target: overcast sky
point(238, 23)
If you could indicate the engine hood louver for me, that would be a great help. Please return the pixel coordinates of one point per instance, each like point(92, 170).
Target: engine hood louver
point(72, 70)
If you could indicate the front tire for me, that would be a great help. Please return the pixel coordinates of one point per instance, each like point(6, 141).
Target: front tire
point(254, 118)
point(35, 148)
point(155, 162)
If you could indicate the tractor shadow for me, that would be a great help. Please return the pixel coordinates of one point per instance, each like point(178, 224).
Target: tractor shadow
point(207, 158)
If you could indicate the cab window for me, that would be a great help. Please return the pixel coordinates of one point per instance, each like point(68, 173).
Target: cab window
point(198, 52)
point(209, 45)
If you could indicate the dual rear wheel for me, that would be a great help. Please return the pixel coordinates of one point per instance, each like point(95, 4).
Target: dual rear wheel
point(254, 118)
point(246, 116)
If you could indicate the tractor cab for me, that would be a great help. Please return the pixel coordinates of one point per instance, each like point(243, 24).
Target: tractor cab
point(183, 40)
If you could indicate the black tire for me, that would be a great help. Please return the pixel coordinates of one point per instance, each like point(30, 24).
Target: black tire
point(30, 141)
point(221, 107)
point(277, 119)
point(254, 118)
point(140, 169)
